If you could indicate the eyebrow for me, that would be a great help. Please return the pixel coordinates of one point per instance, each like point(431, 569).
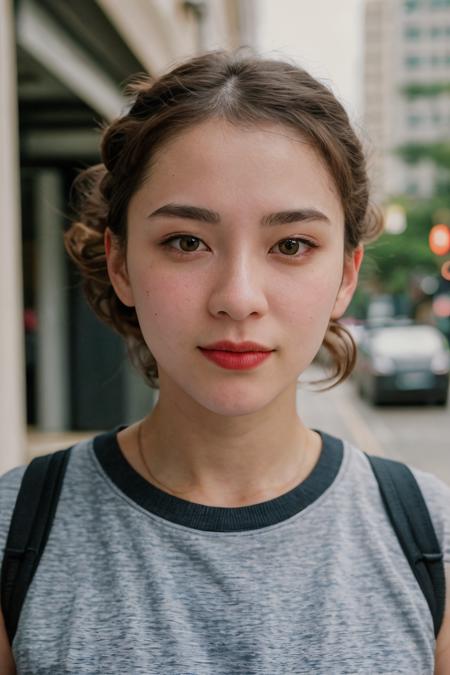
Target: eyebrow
point(212, 217)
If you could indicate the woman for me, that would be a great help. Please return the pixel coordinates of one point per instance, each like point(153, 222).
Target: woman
point(222, 237)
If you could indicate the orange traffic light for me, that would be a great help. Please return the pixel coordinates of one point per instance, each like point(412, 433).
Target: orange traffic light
point(439, 239)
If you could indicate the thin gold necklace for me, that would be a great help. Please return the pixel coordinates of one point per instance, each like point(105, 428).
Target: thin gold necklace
point(175, 493)
point(147, 468)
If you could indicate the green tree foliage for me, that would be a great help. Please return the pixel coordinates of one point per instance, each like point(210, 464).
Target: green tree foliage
point(393, 260)
point(428, 89)
point(390, 260)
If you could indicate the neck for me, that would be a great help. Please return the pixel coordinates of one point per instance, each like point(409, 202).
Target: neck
point(225, 461)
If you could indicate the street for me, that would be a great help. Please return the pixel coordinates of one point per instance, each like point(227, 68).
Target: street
point(418, 435)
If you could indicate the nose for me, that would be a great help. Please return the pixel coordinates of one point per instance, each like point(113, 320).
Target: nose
point(238, 290)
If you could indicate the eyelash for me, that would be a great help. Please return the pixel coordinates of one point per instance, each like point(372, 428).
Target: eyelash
point(166, 244)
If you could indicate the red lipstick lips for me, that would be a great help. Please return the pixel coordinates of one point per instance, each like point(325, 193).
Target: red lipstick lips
point(236, 355)
point(227, 346)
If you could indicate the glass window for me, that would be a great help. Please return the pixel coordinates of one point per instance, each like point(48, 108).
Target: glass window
point(414, 120)
point(413, 61)
point(412, 32)
point(411, 5)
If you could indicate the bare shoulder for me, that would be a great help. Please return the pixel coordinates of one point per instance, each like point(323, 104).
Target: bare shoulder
point(6, 657)
point(442, 666)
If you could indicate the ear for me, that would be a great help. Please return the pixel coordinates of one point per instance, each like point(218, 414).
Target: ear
point(117, 268)
point(352, 264)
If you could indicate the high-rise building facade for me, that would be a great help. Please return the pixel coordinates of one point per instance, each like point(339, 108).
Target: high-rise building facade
point(406, 93)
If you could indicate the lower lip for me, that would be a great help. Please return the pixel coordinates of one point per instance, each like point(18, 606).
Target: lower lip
point(235, 360)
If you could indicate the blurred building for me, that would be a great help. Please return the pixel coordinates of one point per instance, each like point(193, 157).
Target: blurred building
point(71, 61)
point(406, 90)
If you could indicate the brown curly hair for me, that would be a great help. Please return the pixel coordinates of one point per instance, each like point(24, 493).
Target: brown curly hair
point(238, 87)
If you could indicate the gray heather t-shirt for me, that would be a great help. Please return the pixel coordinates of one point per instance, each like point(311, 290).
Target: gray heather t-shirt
point(134, 580)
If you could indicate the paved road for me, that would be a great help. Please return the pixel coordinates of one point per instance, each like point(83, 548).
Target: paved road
point(418, 435)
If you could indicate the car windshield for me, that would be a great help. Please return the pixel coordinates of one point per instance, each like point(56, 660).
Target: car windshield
point(412, 340)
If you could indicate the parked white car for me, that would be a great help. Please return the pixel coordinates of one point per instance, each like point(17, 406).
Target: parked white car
point(408, 363)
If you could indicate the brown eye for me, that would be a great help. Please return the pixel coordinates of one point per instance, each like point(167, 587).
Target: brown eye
point(290, 246)
point(188, 244)
point(295, 247)
point(182, 243)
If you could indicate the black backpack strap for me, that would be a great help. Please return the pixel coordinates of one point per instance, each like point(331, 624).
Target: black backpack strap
point(411, 520)
point(29, 530)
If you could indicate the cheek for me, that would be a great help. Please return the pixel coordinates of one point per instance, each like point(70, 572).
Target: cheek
point(163, 304)
point(309, 300)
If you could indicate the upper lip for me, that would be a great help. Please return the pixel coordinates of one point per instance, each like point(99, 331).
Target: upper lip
point(227, 346)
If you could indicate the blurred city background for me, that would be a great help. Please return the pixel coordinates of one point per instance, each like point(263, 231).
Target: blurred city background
point(62, 69)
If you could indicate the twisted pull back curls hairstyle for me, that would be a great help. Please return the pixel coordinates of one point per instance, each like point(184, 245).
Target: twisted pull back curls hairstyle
point(242, 89)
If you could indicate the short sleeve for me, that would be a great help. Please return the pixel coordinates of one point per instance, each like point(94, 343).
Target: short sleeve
point(9, 489)
point(437, 497)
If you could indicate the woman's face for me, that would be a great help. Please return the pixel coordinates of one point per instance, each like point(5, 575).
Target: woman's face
point(237, 234)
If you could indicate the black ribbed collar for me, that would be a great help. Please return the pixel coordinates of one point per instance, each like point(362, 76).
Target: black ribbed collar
point(218, 518)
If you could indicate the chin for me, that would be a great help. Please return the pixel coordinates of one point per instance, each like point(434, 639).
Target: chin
point(235, 400)
point(228, 397)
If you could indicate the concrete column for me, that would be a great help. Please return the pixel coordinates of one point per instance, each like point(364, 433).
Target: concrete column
point(12, 356)
point(52, 388)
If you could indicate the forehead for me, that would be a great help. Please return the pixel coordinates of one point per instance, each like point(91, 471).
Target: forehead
point(241, 167)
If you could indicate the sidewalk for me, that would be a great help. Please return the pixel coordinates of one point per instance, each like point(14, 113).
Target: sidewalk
point(43, 442)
